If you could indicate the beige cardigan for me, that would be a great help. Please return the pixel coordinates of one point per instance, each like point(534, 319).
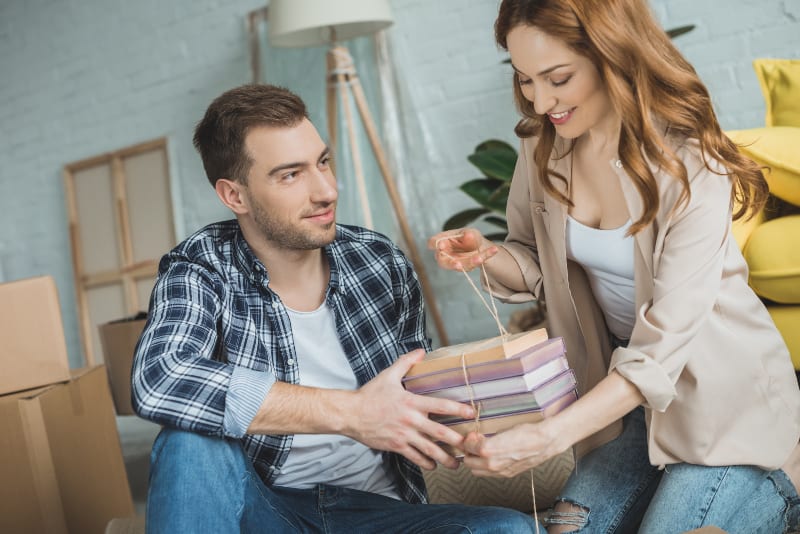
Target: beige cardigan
point(719, 385)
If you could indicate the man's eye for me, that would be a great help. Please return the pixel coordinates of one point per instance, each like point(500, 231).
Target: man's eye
point(324, 162)
point(289, 175)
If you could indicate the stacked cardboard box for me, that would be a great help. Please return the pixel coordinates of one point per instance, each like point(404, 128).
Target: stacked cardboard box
point(62, 468)
point(118, 339)
point(509, 379)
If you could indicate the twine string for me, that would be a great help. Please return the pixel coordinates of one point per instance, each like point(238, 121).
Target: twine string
point(493, 308)
point(503, 333)
point(476, 421)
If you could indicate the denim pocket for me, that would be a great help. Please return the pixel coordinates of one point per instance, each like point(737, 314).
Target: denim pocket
point(788, 492)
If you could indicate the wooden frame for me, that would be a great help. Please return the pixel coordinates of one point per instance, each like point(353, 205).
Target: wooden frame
point(129, 270)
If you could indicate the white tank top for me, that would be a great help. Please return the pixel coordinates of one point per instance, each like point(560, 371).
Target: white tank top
point(327, 458)
point(607, 258)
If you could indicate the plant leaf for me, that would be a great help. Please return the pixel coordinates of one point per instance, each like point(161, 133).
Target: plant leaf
point(463, 218)
point(481, 190)
point(497, 221)
point(496, 237)
point(500, 196)
point(680, 30)
point(495, 163)
point(495, 144)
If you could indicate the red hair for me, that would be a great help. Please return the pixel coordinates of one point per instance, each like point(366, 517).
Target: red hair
point(649, 83)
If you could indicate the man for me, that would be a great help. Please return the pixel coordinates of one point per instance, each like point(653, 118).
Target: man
point(274, 351)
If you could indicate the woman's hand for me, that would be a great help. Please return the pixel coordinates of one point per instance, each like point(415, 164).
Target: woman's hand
point(462, 249)
point(512, 452)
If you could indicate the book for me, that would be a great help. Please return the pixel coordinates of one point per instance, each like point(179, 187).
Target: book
point(504, 386)
point(525, 361)
point(520, 402)
point(499, 423)
point(474, 352)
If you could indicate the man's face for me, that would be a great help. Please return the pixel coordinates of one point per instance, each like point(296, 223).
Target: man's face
point(291, 191)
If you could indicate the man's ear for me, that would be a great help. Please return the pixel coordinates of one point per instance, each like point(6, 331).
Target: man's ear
point(230, 193)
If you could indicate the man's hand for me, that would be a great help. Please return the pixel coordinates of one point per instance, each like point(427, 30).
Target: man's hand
point(387, 417)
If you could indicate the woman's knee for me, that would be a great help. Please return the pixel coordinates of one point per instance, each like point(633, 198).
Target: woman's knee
point(567, 516)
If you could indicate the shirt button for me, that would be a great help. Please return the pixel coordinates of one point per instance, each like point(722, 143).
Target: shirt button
point(618, 163)
point(290, 361)
point(274, 303)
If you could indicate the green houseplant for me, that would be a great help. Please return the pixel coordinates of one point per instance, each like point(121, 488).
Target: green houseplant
point(496, 160)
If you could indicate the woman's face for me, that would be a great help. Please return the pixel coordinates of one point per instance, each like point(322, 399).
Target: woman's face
point(560, 83)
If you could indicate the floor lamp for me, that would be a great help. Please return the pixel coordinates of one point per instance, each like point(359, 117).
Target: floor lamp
point(297, 23)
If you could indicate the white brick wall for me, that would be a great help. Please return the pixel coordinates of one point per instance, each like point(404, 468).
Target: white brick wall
point(78, 78)
point(83, 77)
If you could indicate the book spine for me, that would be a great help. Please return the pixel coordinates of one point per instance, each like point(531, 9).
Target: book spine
point(511, 385)
point(493, 425)
point(536, 399)
point(483, 372)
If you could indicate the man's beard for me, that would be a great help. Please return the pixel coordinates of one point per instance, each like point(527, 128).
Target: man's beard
point(289, 236)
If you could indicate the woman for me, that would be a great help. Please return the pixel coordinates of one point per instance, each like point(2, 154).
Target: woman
point(619, 216)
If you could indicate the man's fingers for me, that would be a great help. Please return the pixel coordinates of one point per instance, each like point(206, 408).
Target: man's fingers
point(417, 457)
point(445, 407)
point(433, 452)
point(406, 362)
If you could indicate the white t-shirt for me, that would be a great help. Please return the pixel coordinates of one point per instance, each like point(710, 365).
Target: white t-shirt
point(327, 458)
point(607, 258)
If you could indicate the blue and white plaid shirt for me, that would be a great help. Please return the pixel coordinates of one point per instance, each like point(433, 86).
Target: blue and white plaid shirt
point(212, 311)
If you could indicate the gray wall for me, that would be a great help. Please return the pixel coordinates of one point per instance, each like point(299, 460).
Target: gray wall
point(78, 78)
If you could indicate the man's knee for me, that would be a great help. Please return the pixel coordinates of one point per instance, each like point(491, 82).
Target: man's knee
point(491, 520)
point(180, 451)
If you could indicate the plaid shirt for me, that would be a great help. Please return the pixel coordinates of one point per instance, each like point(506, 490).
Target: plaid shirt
point(211, 310)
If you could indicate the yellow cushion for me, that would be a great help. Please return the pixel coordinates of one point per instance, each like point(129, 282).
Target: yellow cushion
point(773, 255)
point(777, 147)
point(787, 319)
point(780, 84)
point(742, 229)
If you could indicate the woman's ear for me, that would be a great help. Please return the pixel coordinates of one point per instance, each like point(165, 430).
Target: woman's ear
point(231, 194)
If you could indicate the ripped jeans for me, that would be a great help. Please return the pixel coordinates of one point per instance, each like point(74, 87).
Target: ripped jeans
point(617, 490)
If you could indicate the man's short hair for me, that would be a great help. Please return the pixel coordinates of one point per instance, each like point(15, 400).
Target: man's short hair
point(220, 135)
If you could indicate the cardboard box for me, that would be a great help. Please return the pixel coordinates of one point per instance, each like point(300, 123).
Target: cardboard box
point(62, 468)
point(29, 497)
point(33, 352)
point(118, 339)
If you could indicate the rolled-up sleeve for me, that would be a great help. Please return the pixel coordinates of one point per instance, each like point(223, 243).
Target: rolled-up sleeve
point(248, 390)
point(176, 380)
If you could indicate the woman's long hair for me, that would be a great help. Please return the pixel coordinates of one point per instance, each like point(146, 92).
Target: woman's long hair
point(649, 83)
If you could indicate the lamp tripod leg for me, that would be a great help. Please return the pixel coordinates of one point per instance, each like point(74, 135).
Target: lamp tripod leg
point(342, 70)
point(397, 204)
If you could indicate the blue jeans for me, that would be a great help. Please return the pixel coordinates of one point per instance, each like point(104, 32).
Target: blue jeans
point(205, 484)
point(617, 490)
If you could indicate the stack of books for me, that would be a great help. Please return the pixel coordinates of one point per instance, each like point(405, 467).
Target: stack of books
point(521, 378)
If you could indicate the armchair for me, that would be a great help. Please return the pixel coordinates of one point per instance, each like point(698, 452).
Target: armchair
point(770, 241)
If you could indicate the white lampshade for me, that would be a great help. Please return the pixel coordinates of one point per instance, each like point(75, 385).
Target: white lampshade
point(309, 22)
